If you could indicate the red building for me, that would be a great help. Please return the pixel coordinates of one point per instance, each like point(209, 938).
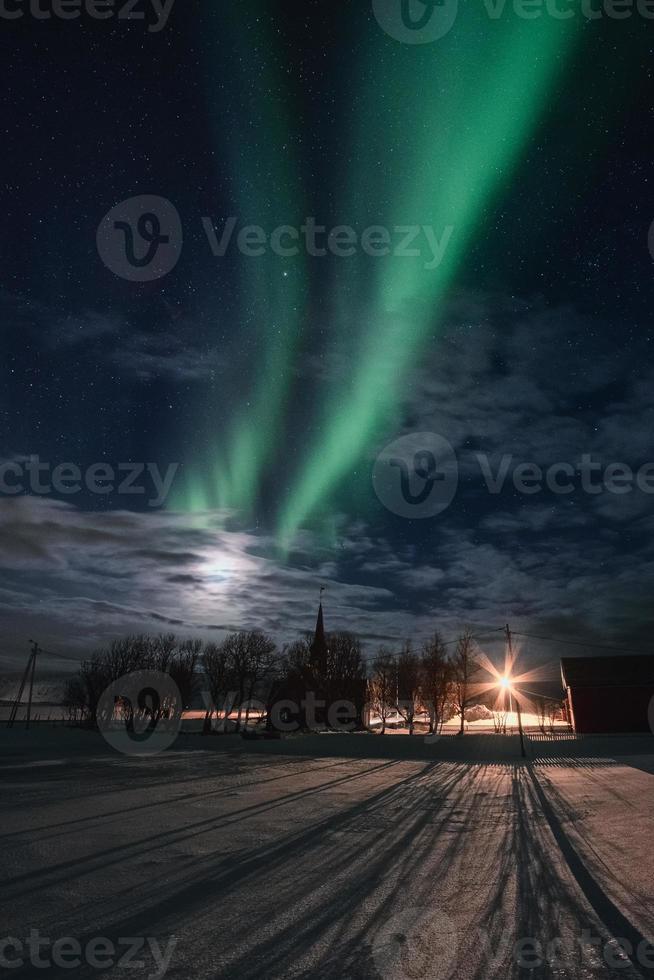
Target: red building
point(609, 694)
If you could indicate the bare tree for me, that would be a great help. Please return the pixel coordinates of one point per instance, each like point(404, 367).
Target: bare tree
point(162, 653)
point(553, 712)
point(338, 674)
point(297, 655)
point(218, 672)
point(290, 681)
point(383, 684)
point(499, 721)
point(436, 681)
point(466, 669)
point(182, 668)
point(346, 678)
point(262, 653)
point(408, 685)
point(251, 657)
point(236, 648)
point(540, 706)
point(74, 699)
point(104, 667)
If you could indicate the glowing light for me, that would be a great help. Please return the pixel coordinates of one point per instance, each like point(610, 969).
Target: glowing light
point(462, 117)
point(505, 683)
point(238, 428)
point(465, 117)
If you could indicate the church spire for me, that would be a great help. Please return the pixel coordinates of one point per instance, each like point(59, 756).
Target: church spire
point(319, 645)
point(319, 636)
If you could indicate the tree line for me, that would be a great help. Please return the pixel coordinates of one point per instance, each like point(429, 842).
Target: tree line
point(247, 677)
point(433, 681)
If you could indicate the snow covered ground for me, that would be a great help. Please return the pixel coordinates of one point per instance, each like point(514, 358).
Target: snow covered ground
point(326, 857)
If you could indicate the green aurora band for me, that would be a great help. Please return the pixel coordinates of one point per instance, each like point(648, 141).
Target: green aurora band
point(266, 189)
point(435, 136)
point(467, 107)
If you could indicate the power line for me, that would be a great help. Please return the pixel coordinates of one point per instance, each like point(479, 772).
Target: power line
point(578, 643)
point(474, 636)
point(447, 643)
point(60, 656)
point(477, 636)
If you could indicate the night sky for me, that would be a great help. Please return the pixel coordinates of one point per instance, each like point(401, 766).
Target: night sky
point(276, 381)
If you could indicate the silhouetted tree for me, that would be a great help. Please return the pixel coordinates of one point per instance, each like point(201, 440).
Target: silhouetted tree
point(263, 658)
point(466, 669)
point(383, 683)
point(162, 653)
point(554, 711)
point(408, 685)
point(291, 680)
point(540, 710)
point(337, 674)
point(157, 652)
point(346, 678)
point(251, 658)
point(436, 681)
point(499, 720)
point(75, 699)
point(182, 668)
point(219, 677)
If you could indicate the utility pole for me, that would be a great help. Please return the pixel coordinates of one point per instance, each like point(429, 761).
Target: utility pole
point(28, 673)
point(35, 651)
point(517, 702)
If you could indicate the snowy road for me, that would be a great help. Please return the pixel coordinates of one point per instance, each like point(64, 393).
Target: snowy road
point(245, 865)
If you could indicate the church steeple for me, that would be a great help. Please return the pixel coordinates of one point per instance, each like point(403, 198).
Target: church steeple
point(319, 635)
point(319, 644)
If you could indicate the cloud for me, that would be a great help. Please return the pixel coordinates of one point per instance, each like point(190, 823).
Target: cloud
point(172, 354)
point(75, 580)
point(167, 356)
point(504, 377)
point(534, 382)
point(82, 578)
point(23, 314)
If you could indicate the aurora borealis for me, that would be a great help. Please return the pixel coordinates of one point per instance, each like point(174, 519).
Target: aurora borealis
point(512, 152)
point(427, 168)
point(228, 472)
point(449, 173)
